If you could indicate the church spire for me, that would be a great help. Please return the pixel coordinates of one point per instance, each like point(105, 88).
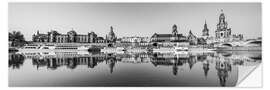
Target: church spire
point(205, 25)
point(174, 30)
point(205, 31)
point(111, 28)
point(37, 32)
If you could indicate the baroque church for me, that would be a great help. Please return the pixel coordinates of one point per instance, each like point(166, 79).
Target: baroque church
point(111, 37)
point(223, 33)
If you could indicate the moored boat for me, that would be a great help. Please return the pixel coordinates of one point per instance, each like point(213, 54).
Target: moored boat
point(52, 47)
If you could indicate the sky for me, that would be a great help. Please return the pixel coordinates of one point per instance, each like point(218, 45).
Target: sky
point(133, 19)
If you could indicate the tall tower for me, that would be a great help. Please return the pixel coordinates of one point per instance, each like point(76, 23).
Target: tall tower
point(222, 27)
point(111, 36)
point(37, 32)
point(174, 30)
point(174, 33)
point(205, 31)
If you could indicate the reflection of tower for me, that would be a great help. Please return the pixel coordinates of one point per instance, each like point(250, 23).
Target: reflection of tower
point(206, 67)
point(72, 63)
point(92, 62)
point(15, 60)
point(52, 63)
point(223, 67)
point(175, 67)
point(111, 63)
point(191, 61)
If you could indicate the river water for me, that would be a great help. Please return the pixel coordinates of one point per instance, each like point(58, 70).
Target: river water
point(128, 69)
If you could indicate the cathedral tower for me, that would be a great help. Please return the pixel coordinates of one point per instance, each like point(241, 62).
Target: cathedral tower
point(222, 27)
point(205, 31)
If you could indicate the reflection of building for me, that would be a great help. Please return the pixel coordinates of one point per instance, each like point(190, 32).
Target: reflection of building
point(15, 60)
point(206, 68)
point(111, 61)
point(71, 63)
point(70, 37)
point(173, 37)
point(223, 67)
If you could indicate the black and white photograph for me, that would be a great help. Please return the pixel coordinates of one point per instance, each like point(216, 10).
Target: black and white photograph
point(168, 44)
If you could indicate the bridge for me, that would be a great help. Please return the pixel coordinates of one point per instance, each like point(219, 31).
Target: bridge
point(251, 42)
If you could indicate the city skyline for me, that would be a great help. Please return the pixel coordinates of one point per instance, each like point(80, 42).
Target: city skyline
point(127, 18)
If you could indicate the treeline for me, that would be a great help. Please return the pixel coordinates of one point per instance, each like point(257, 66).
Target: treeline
point(16, 39)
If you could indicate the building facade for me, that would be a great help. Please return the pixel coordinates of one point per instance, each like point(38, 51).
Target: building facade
point(111, 37)
point(135, 39)
point(192, 38)
point(39, 37)
point(173, 37)
point(222, 31)
point(70, 37)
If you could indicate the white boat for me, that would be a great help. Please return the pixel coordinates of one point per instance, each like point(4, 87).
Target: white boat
point(52, 47)
point(32, 54)
point(177, 49)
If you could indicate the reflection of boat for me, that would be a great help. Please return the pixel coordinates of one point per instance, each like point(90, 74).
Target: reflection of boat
point(113, 50)
point(200, 48)
point(181, 54)
point(136, 50)
point(49, 47)
point(239, 48)
point(177, 49)
point(163, 50)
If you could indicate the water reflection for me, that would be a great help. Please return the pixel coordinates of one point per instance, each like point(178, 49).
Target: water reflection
point(15, 61)
point(217, 68)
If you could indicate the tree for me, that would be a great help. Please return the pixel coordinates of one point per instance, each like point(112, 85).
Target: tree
point(17, 38)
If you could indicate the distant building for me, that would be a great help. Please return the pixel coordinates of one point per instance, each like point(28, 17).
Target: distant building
point(222, 28)
point(205, 31)
point(111, 37)
point(192, 38)
point(135, 39)
point(40, 37)
point(223, 33)
point(100, 40)
point(173, 37)
point(238, 37)
point(70, 37)
point(201, 41)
